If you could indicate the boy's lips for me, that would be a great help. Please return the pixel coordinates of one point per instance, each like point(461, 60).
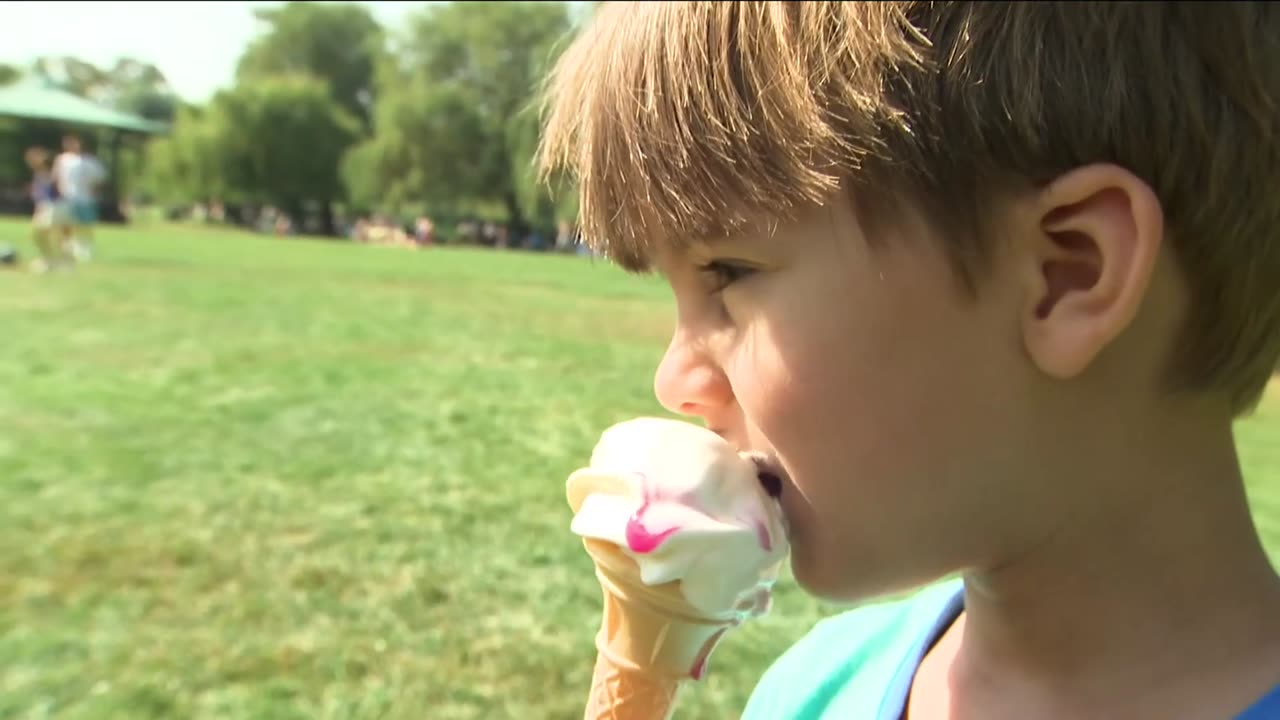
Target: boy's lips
point(772, 477)
point(772, 484)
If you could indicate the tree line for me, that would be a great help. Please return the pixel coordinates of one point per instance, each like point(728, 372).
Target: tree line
point(330, 110)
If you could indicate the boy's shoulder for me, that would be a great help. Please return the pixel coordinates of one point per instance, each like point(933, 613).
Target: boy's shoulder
point(855, 663)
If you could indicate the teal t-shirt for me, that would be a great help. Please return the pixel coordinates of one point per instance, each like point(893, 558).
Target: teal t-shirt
point(860, 664)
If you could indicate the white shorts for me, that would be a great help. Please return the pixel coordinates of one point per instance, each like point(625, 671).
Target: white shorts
point(49, 214)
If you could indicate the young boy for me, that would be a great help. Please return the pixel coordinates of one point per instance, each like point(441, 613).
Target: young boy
point(49, 226)
point(79, 176)
point(990, 282)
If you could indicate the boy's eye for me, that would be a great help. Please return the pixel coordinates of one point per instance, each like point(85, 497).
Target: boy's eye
point(723, 273)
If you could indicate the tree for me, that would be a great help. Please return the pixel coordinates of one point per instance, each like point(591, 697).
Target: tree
point(431, 144)
point(130, 85)
point(276, 140)
point(534, 197)
point(338, 43)
point(451, 104)
point(285, 136)
point(140, 88)
point(361, 172)
point(8, 74)
point(152, 105)
point(72, 74)
point(189, 165)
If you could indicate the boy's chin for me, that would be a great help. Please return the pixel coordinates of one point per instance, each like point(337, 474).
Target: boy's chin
point(846, 583)
point(826, 580)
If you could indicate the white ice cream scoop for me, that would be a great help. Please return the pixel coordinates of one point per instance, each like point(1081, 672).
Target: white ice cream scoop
point(685, 505)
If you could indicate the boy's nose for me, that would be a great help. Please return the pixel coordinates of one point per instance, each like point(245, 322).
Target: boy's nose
point(688, 382)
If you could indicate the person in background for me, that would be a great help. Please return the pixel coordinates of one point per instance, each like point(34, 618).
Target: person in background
point(78, 176)
point(49, 222)
point(425, 232)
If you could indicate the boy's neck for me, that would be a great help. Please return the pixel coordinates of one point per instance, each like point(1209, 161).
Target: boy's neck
point(1163, 605)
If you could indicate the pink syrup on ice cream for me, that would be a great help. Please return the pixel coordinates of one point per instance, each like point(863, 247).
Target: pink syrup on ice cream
point(700, 664)
point(642, 540)
point(639, 538)
point(762, 533)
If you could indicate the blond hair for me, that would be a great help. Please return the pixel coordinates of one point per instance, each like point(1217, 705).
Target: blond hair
point(689, 120)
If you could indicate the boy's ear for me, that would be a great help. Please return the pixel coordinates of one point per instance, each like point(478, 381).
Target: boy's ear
point(1098, 234)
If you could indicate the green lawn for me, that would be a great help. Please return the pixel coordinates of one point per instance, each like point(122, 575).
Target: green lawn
point(251, 478)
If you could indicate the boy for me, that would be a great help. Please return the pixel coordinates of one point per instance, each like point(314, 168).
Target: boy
point(990, 283)
point(78, 175)
point(48, 222)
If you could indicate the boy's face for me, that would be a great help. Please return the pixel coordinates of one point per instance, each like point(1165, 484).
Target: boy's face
point(889, 399)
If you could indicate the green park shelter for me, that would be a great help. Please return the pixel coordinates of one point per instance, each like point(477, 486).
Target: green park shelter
point(35, 101)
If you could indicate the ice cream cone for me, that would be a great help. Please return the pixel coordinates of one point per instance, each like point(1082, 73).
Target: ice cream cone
point(618, 693)
point(651, 640)
point(686, 546)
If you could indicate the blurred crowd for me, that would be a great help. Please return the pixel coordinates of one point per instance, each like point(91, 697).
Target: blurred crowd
point(384, 230)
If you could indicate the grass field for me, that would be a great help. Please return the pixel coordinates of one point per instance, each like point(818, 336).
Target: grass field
point(250, 478)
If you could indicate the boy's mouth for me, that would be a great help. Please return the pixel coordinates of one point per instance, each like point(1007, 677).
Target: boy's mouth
point(771, 483)
point(768, 474)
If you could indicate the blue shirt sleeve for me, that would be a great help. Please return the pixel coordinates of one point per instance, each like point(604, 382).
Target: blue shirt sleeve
point(1267, 708)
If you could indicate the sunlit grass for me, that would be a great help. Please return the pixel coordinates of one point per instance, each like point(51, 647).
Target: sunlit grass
point(253, 478)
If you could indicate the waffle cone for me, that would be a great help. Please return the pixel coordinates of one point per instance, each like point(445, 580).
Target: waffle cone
point(620, 693)
point(650, 640)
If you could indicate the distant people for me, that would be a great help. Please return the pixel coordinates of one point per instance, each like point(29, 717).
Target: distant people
point(467, 232)
point(424, 232)
point(50, 224)
point(78, 176)
point(360, 230)
point(535, 241)
point(266, 222)
point(489, 234)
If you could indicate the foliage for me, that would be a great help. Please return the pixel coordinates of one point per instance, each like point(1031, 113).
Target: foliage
point(9, 74)
point(337, 42)
point(438, 116)
point(276, 140)
point(453, 117)
point(129, 84)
